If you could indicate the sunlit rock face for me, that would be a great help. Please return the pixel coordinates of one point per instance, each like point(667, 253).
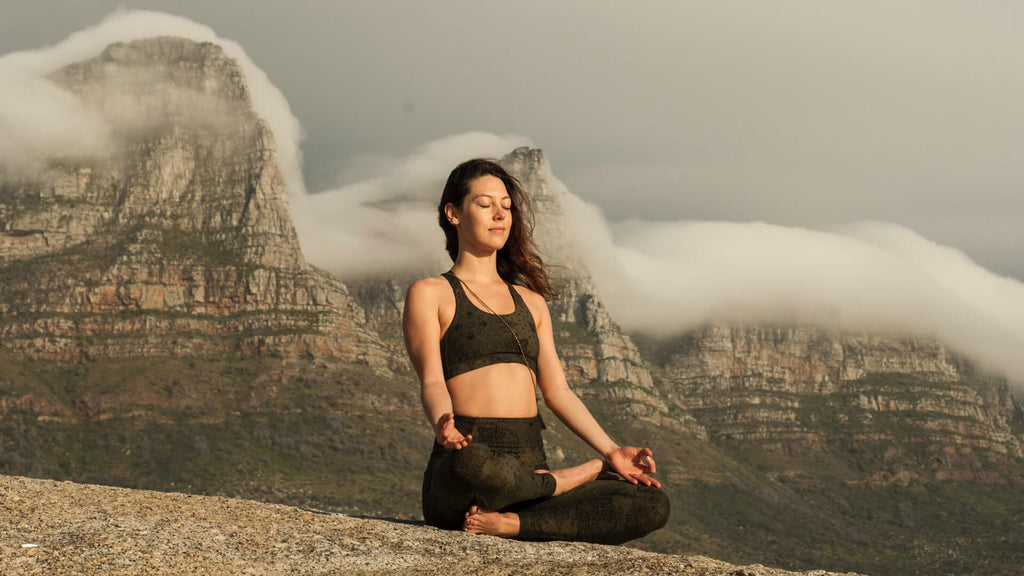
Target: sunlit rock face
point(175, 239)
point(906, 403)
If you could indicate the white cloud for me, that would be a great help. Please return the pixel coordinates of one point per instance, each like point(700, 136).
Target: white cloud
point(37, 118)
point(389, 224)
point(23, 82)
point(668, 277)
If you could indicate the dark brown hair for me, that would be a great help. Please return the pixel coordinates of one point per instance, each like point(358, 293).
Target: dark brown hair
point(518, 261)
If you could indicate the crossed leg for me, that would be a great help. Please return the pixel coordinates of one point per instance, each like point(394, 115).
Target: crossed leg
point(486, 492)
point(506, 524)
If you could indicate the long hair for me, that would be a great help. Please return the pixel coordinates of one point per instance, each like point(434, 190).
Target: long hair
point(518, 261)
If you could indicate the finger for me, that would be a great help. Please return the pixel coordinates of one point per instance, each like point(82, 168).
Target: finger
point(650, 465)
point(648, 481)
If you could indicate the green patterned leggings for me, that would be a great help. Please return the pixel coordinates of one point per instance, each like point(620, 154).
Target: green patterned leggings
point(496, 472)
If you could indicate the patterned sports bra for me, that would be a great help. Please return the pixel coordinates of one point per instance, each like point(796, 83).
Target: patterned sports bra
point(477, 338)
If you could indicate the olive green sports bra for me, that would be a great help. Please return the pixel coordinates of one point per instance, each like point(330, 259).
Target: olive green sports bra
point(477, 338)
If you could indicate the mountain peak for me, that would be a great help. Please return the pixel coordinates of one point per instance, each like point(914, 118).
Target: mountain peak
point(183, 221)
point(155, 83)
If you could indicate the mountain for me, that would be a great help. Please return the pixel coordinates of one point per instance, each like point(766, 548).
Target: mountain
point(177, 243)
point(159, 325)
point(160, 329)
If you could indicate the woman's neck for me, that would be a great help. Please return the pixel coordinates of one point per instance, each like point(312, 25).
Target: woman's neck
point(477, 269)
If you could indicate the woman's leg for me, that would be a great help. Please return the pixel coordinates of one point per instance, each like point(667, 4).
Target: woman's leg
point(602, 511)
point(478, 476)
point(506, 524)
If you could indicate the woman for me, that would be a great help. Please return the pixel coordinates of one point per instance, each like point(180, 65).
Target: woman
point(480, 337)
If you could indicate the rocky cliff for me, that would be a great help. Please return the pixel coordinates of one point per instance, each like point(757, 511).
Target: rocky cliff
point(908, 405)
point(178, 240)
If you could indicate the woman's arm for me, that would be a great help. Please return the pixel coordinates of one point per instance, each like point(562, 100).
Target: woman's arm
point(421, 327)
point(631, 463)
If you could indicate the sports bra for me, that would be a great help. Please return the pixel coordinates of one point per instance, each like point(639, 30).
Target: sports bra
point(477, 338)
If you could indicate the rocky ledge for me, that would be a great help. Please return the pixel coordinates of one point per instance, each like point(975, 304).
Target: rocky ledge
point(49, 527)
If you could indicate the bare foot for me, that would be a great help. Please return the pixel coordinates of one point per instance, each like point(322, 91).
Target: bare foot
point(569, 478)
point(480, 521)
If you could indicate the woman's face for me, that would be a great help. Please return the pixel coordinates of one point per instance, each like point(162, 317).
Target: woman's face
point(484, 220)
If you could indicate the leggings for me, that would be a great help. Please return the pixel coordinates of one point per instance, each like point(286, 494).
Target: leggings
point(495, 471)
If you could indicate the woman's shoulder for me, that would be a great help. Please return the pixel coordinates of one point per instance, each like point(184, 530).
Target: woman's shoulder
point(432, 288)
point(534, 301)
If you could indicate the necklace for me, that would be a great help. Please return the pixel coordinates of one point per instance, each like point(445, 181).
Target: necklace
point(498, 316)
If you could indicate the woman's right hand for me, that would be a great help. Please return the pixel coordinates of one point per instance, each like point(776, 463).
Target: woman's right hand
point(447, 435)
point(633, 464)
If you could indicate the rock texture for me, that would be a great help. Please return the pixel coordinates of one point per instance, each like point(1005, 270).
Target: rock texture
point(179, 241)
point(51, 527)
point(810, 390)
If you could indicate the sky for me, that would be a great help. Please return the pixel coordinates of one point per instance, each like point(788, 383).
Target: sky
point(797, 113)
point(852, 161)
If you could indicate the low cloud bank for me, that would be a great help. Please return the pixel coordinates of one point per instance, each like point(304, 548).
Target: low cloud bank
point(664, 278)
point(40, 119)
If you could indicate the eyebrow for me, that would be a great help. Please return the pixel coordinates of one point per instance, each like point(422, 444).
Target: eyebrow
point(491, 196)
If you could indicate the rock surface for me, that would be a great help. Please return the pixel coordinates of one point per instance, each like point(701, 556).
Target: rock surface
point(178, 241)
point(49, 527)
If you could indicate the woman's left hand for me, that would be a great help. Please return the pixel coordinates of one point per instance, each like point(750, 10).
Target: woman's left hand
point(633, 464)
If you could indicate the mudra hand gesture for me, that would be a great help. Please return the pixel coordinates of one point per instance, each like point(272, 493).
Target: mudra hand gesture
point(634, 464)
point(448, 436)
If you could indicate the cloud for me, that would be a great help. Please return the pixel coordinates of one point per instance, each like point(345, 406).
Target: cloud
point(33, 109)
point(664, 278)
point(39, 119)
point(388, 225)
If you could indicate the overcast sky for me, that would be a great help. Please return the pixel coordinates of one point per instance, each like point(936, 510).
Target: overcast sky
point(797, 113)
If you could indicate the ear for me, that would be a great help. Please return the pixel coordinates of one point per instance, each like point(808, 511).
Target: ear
point(449, 211)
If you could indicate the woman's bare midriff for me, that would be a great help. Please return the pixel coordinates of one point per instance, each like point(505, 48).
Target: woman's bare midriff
point(495, 391)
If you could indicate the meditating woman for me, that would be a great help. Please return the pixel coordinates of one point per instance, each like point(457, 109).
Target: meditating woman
point(480, 338)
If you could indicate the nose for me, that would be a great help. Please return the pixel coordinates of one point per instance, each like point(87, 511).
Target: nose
point(499, 212)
